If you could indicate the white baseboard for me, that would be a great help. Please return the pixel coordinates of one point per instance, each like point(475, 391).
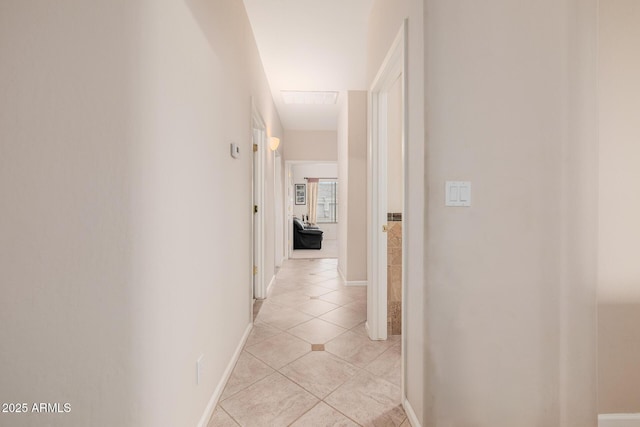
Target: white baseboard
point(271, 283)
point(619, 420)
point(353, 282)
point(356, 283)
point(211, 406)
point(411, 415)
point(368, 330)
point(341, 275)
point(604, 420)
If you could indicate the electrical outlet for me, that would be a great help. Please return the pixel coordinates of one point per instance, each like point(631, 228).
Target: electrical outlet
point(199, 369)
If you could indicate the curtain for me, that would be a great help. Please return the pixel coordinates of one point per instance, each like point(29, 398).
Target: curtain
point(312, 199)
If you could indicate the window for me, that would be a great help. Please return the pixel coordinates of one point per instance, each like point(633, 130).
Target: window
point(327, 208)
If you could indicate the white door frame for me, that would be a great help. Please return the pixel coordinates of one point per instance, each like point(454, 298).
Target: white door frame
point(288, 218)
point(393, 67)
point(258, 132)
point(289, 198)
point(278, 185)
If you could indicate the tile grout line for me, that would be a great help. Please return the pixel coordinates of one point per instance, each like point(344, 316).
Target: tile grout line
point(339, 411)
point(358, 369)
point(305, 413)
point(249, 385)
point(278, 369)
point(230, 416)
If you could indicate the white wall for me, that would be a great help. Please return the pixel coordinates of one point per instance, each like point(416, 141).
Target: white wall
point(510, 334)
point(395, 171)
point(510, 281)
point(352, 172)
point(315, 170)
point(357, 236)
point(618, 267)
point(65, 240)
point(314, 145)
point(115, 124)
point(343, 176)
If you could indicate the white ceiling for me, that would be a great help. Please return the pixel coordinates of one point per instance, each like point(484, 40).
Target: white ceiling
point(311, 45)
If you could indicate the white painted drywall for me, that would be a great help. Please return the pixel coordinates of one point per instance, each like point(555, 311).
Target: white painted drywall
point(619, 227)
point(395, 171)
point(352, 169)
point(357, 218)
point(619, 420)
point(66, 146)
point(126, 225)
point(193, 229)
point(510, 281)
point(313, 145)
point(343, 177)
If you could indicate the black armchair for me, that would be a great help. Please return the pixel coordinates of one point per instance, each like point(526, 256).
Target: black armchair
point(306, 237)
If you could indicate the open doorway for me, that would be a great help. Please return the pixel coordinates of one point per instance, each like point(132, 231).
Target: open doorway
point(313, 201)
point(387, 206)
point(257, 255)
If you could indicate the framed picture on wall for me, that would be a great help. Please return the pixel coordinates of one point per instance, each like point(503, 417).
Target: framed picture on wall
point(301, 194)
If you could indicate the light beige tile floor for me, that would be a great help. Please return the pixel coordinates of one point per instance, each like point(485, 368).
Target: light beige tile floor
point(278, 379)
point(329, 250)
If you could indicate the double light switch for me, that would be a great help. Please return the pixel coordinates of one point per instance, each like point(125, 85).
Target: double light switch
point(458, 193)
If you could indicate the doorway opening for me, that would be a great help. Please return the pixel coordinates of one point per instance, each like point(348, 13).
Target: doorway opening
point(387, 202)
point(257, 257)
point(312, 189)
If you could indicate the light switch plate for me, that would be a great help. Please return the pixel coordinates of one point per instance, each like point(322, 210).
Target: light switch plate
point(457, 193)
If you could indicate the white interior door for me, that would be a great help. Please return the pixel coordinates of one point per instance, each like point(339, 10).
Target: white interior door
point(279, 206)
point(259, 290)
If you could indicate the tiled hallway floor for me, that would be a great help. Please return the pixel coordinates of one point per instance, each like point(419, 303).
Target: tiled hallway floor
point(308, 361)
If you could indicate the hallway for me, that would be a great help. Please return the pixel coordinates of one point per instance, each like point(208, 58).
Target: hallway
point(308, 361)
